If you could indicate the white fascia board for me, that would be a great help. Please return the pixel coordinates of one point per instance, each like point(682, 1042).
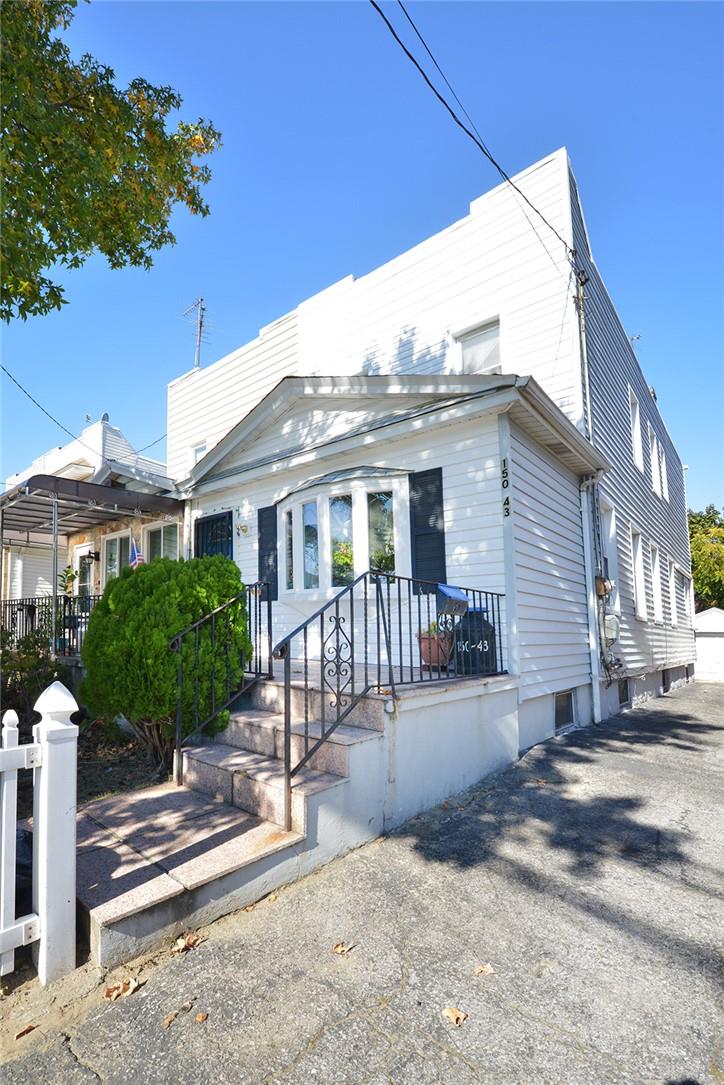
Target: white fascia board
point(290, 389)
point(428, 417)
point(539, 404)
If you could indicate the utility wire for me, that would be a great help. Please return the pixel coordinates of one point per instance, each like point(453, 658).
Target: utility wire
point(53, 419)
point(476, 130)
point(477, 140)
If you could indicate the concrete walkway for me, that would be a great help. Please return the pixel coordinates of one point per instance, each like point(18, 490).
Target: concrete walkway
point(588, 877)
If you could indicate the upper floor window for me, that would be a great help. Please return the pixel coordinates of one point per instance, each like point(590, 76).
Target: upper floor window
point(639, 579)
point(664, 474)
point(610, 549)
point(162, 541)
point(656, 584)
point(638, 451)
point(198, 452)
point(481, 349)
point(654, 459)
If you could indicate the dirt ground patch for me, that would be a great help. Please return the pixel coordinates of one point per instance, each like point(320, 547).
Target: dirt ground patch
point(109, 760)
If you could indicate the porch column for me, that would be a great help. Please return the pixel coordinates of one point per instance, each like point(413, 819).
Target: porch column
point(54, 597)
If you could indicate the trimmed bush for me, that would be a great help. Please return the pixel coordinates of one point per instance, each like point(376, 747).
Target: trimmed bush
point(130, 670)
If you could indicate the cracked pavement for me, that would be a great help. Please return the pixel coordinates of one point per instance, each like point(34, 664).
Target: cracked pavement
point(588, 875)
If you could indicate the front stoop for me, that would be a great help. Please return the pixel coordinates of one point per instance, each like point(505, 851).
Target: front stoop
point(151, 862)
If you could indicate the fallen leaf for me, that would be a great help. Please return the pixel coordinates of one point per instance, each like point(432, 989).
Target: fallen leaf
point(187, 941)
point(455, 1015)
point(485, 970)
point(186, 1006)
point(122, 989)
point(24, 1031)
point(272, 897)
point(170, 1018)
point(343, 947)
point(201, 1017)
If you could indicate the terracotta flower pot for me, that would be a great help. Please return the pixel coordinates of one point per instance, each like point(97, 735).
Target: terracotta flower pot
point(435, 649)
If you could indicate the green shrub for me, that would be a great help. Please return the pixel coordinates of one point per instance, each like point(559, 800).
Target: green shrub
point(129, 667)
point(26, 669)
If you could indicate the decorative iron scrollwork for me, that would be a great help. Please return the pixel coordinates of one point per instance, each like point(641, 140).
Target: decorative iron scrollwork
point(337, 663)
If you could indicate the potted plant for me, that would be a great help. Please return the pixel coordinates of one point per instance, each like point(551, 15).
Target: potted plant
point(436, 646)
point(66, 579)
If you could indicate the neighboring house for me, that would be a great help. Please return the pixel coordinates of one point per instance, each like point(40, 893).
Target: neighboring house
point(394, 388)
point(104, 457)
point(709, 632)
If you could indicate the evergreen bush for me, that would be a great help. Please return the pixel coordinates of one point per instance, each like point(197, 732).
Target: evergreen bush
point(129, 667)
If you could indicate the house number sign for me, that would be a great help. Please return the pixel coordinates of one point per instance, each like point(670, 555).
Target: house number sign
point(504, 484)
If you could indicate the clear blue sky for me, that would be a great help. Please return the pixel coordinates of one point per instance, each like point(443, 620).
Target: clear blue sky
point(336, 158)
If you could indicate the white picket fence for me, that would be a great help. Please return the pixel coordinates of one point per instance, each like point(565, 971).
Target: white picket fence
point(52, 755)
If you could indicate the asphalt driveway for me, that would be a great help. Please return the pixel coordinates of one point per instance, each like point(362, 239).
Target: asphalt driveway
point(587, 877)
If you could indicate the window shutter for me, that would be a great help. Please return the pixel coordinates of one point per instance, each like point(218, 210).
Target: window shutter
point(427, 526)
point(267, 527)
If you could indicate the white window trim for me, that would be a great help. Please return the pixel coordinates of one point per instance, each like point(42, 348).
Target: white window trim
point(358, 488)
point(638, 571)
point(105, 540)
point(655, 460)
point(656, 592)
point(459, 332)
point(147, 528)
point(610, 545)
point(80, 552)
point(635, 427)
point(673, 602)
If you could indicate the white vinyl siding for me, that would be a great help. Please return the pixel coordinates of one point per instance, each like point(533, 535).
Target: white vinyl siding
point(614, 374)
point(551, 604)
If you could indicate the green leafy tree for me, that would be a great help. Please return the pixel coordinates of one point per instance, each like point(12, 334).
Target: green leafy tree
point(129, 667)
point(85, 165)
point(706, 532)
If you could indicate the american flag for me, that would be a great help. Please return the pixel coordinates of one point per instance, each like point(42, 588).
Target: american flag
point(136, 557)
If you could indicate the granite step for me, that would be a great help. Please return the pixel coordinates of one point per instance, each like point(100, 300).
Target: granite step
point(262, 732)
point(268, 695)
point(252, 781)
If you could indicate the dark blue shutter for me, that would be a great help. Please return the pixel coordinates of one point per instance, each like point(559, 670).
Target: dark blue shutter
point(267, 525)
point(427, 526)
point(214, 535)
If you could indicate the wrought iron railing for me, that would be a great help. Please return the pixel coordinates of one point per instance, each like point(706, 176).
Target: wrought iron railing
point(218, 657)
point(380, 632)
point(21, 617)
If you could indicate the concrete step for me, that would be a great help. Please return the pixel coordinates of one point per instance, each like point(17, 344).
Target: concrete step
point(262, 732)
point(268, 694)
point(148, 860)
point(252, 781)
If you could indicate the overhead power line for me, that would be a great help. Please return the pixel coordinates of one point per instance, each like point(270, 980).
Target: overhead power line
point(471, 132)
point(55, 421)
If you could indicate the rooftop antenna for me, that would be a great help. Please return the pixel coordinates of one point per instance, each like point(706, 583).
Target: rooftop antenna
point(633, 339)
point(200, 308)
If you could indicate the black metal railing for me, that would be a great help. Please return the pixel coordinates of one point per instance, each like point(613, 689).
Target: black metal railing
point(378, 633)
point(20, 618)
point(218, 657)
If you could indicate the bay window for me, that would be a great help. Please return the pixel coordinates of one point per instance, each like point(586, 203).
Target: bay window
point(345, 529)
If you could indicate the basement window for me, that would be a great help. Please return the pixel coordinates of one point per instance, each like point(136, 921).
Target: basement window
point(564, 709)
point(624, 697)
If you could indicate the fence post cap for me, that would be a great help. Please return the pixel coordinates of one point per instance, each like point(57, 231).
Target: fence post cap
point(56, 701)
point(10, 718)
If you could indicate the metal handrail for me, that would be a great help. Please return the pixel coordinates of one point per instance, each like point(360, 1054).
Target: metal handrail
point(252, 669)
point(406, 610)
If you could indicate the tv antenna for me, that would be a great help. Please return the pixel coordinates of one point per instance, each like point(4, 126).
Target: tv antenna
point(200, 308)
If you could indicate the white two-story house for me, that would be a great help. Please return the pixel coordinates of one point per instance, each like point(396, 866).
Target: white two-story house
point(454, 409)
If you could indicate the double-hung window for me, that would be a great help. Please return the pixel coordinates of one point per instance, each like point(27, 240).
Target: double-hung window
point(655, 463)
point(635, 415)
point(116, 555)
point(673, 602)
point(656, 584)
point(162, 542)
point(639, 579)
point(481, 349)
